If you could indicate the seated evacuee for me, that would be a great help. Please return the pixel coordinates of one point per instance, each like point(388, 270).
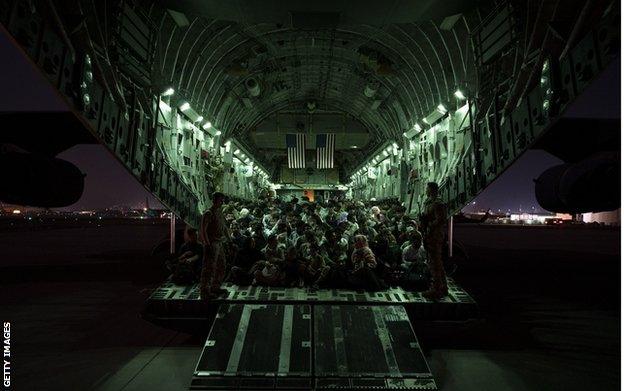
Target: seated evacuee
point(186, 266)
point(294, 268)
point(269, 271)
point(316, 271)
point(325, 243)
point(364, 263)
point(246, 258)
point(413, 251)
point(244, 217)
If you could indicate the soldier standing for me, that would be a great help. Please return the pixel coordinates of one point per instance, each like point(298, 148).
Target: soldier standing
point(215, 234)
point(434, 222)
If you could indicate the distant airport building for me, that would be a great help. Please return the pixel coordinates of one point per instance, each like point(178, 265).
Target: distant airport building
point(607, 218)
point(534, 218)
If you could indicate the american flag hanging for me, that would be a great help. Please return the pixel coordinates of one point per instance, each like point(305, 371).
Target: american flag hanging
point(325, 145)
point(295, 144)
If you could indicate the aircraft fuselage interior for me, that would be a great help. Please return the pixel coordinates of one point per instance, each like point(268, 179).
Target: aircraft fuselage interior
point(352, 100)
point(367, 101)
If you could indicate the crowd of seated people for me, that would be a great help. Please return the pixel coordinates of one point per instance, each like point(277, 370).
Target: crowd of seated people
point(338, 244)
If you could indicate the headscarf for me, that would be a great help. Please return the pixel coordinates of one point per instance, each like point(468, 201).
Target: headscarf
point(360, 241)
point(362, 255)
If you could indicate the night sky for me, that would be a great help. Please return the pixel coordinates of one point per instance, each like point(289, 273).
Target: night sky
point(109, 184)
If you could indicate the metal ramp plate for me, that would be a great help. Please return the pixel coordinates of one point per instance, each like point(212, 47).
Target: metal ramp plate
point(256, 346)
point(367, 347)
point(299, 347)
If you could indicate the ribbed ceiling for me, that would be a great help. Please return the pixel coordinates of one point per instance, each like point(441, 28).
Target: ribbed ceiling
point(413, 66)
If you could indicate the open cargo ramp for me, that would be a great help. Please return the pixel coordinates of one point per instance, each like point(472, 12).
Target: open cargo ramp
point(303, 347)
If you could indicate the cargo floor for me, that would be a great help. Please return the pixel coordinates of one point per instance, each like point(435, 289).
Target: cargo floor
point(171, 301)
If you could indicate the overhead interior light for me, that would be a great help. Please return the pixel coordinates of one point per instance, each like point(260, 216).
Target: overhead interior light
point(237, 152)
point(168, 92)
point(412, 132)
point(185, 106)
point(546, 104)
point(438, 113)
point(199, 119)
point(163, 106)
point(395, 145)
point(218, 133)
point(207, 125)
point(459, 95)
point(463, 109)
point(353, 146)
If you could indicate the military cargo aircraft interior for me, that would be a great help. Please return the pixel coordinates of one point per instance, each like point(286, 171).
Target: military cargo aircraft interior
point(314, 156)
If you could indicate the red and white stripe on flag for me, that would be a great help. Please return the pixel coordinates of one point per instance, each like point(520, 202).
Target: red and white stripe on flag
point(295, 144)
point(325, 146)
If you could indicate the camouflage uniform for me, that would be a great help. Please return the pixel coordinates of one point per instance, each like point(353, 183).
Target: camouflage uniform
point(216, 234)
point(434, 228)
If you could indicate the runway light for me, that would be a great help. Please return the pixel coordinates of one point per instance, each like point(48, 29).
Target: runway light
point(442, 109)
point(168, 92)
point(207, 125)
point(459, 95)
point(185, 106)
